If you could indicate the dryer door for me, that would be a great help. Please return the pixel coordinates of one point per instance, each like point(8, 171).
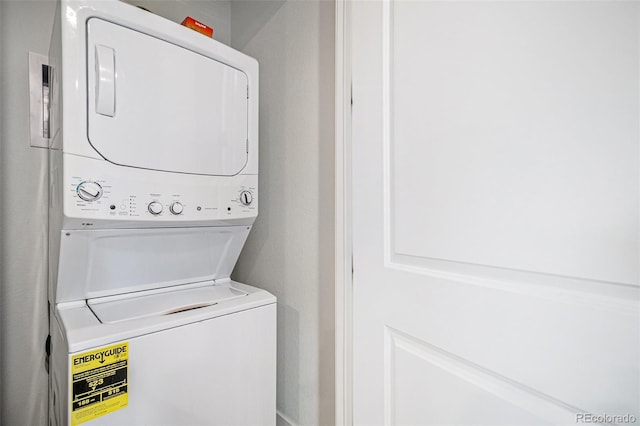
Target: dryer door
point(156, 105)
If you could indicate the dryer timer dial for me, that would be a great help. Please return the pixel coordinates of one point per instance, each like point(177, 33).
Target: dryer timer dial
point(89, 191)
point(246, 198)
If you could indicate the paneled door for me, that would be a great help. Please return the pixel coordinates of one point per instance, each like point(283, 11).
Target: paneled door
point(496, 229)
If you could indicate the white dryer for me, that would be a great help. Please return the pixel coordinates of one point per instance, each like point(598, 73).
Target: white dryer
point(154, 189)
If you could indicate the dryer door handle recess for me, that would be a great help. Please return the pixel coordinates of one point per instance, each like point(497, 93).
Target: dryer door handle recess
point(105, 81)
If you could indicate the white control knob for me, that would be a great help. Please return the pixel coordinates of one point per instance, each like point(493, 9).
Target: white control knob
point(176, 208)
point(155, 208)
point(246, 198)
point(89, 191)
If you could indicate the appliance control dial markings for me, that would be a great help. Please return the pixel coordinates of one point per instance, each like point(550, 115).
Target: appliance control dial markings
point(89, 191)
point(155, 208)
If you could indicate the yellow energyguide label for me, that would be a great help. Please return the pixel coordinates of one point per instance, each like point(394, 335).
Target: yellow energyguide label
point(99, 382)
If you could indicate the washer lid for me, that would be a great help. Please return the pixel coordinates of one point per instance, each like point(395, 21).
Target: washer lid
point(157, 105)
point(116, 309)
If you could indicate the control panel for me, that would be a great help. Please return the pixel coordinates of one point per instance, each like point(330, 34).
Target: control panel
point(161, 197)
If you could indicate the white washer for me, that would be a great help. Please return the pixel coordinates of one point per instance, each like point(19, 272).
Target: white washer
point(208, 366)
point(154, 188)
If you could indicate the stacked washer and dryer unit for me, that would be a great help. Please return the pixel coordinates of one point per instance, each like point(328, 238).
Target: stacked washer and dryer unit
point(153, 191)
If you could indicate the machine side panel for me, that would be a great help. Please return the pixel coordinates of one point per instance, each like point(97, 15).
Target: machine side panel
point(55, 89)
point(55, 219)
point(55, 153)
point(58, 374)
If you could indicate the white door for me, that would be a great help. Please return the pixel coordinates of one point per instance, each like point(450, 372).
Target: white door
point(496, 212)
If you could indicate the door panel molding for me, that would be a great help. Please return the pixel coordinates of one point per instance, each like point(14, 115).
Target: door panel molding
point(609, 252)
point(511, 392)
point(617, 296)
point(620, 299)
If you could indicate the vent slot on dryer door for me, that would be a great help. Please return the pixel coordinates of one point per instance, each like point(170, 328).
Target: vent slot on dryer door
point(156, 105)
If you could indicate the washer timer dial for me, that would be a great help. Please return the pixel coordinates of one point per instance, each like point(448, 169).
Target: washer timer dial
point(89, 191)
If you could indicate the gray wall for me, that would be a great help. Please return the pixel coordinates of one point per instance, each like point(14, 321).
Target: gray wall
point(290, 249)
point(25, 26)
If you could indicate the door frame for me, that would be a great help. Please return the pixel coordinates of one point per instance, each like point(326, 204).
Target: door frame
point(343, 218)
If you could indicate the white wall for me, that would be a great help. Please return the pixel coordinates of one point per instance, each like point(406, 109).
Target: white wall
point(290, 249)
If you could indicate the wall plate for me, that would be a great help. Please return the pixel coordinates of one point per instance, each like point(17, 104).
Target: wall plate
point(39, 79)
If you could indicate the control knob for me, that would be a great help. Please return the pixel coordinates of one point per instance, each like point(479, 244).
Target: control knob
point(246, 198)
point(155, 208)
point(176, 208)
point(89, 191)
